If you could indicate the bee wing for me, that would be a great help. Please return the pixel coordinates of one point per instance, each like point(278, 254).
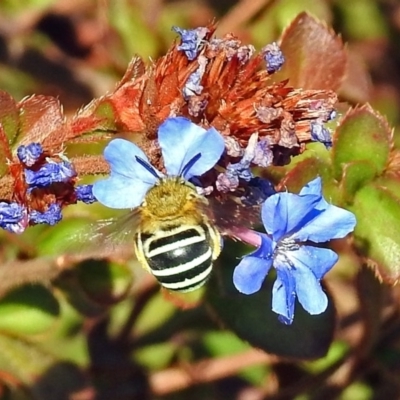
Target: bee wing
point(106, 238)
point(229, 215)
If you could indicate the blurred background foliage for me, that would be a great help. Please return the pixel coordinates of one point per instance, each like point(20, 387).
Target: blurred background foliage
point(103, 330)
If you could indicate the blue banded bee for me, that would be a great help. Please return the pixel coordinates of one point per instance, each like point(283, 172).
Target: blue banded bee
point(174, 239)
point(176, 232)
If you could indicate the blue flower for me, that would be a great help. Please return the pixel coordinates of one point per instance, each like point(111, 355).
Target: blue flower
point(293, 221)
point(13, 217)
point(50, 217)
point(29, 154)
point(188, 151)
point(191, 40)
point(49, 173)
point(273, 57)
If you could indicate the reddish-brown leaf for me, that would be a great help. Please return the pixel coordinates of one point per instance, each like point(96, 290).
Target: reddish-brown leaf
point(41, 121)
point(356, 86)
point(315, 55)
point(9, 118)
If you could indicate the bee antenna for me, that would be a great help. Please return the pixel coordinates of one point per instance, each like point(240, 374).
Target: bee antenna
point(190, 163)
point(147, 166)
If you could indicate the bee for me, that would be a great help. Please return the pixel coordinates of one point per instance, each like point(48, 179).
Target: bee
point(176, 233)
point(175, 240)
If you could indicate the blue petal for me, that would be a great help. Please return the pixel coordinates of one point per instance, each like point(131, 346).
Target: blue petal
point(316, 259)
point(181, 140)
point(332, 223)
point(309, 291)
point(284, 295)
point(129, 181)
point(115, 192)
point(283, 213)
point(250, 274)
point(312, 187)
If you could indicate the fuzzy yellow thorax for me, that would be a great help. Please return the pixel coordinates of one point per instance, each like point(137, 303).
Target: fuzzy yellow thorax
point(171, 201)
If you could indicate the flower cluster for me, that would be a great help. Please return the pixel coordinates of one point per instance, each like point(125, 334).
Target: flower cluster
point(292, 222)
point(46, 185)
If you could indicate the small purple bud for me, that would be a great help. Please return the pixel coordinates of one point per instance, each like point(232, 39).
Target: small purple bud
point(332, 115)
point(229, 180)
point(29, 154)
point(232, 147)
point(274, 57)
point(50, 217)
point(49, 173)
point(84, 193)
point(13, 217)
point(241, 170)
point(193, 84)
point(191, 40)
point(244, 53)
point(263, 155)
point(321, 134)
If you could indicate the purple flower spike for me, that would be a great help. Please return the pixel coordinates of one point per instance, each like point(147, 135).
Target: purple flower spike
point(191, 40)
point(273, 57)
point(85, 193)
point(50, 217)
point(29, 154)
point(292, 223)
point(13, 217)
point(49, 173)
point(188, 151)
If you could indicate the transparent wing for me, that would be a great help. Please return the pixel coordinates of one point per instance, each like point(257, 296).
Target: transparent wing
point(109, 238)
point(229, 215)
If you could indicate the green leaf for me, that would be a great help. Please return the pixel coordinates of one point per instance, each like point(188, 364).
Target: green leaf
point(389, 183)
point(371, 295)
point(103, 281)
point(363, 135)
point(355, 176)
point(28, 310)
point(252, 319)
point(377, 233)
point(24, 359)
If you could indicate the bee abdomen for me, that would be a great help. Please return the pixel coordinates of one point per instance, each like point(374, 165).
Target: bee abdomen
point(180, 258)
